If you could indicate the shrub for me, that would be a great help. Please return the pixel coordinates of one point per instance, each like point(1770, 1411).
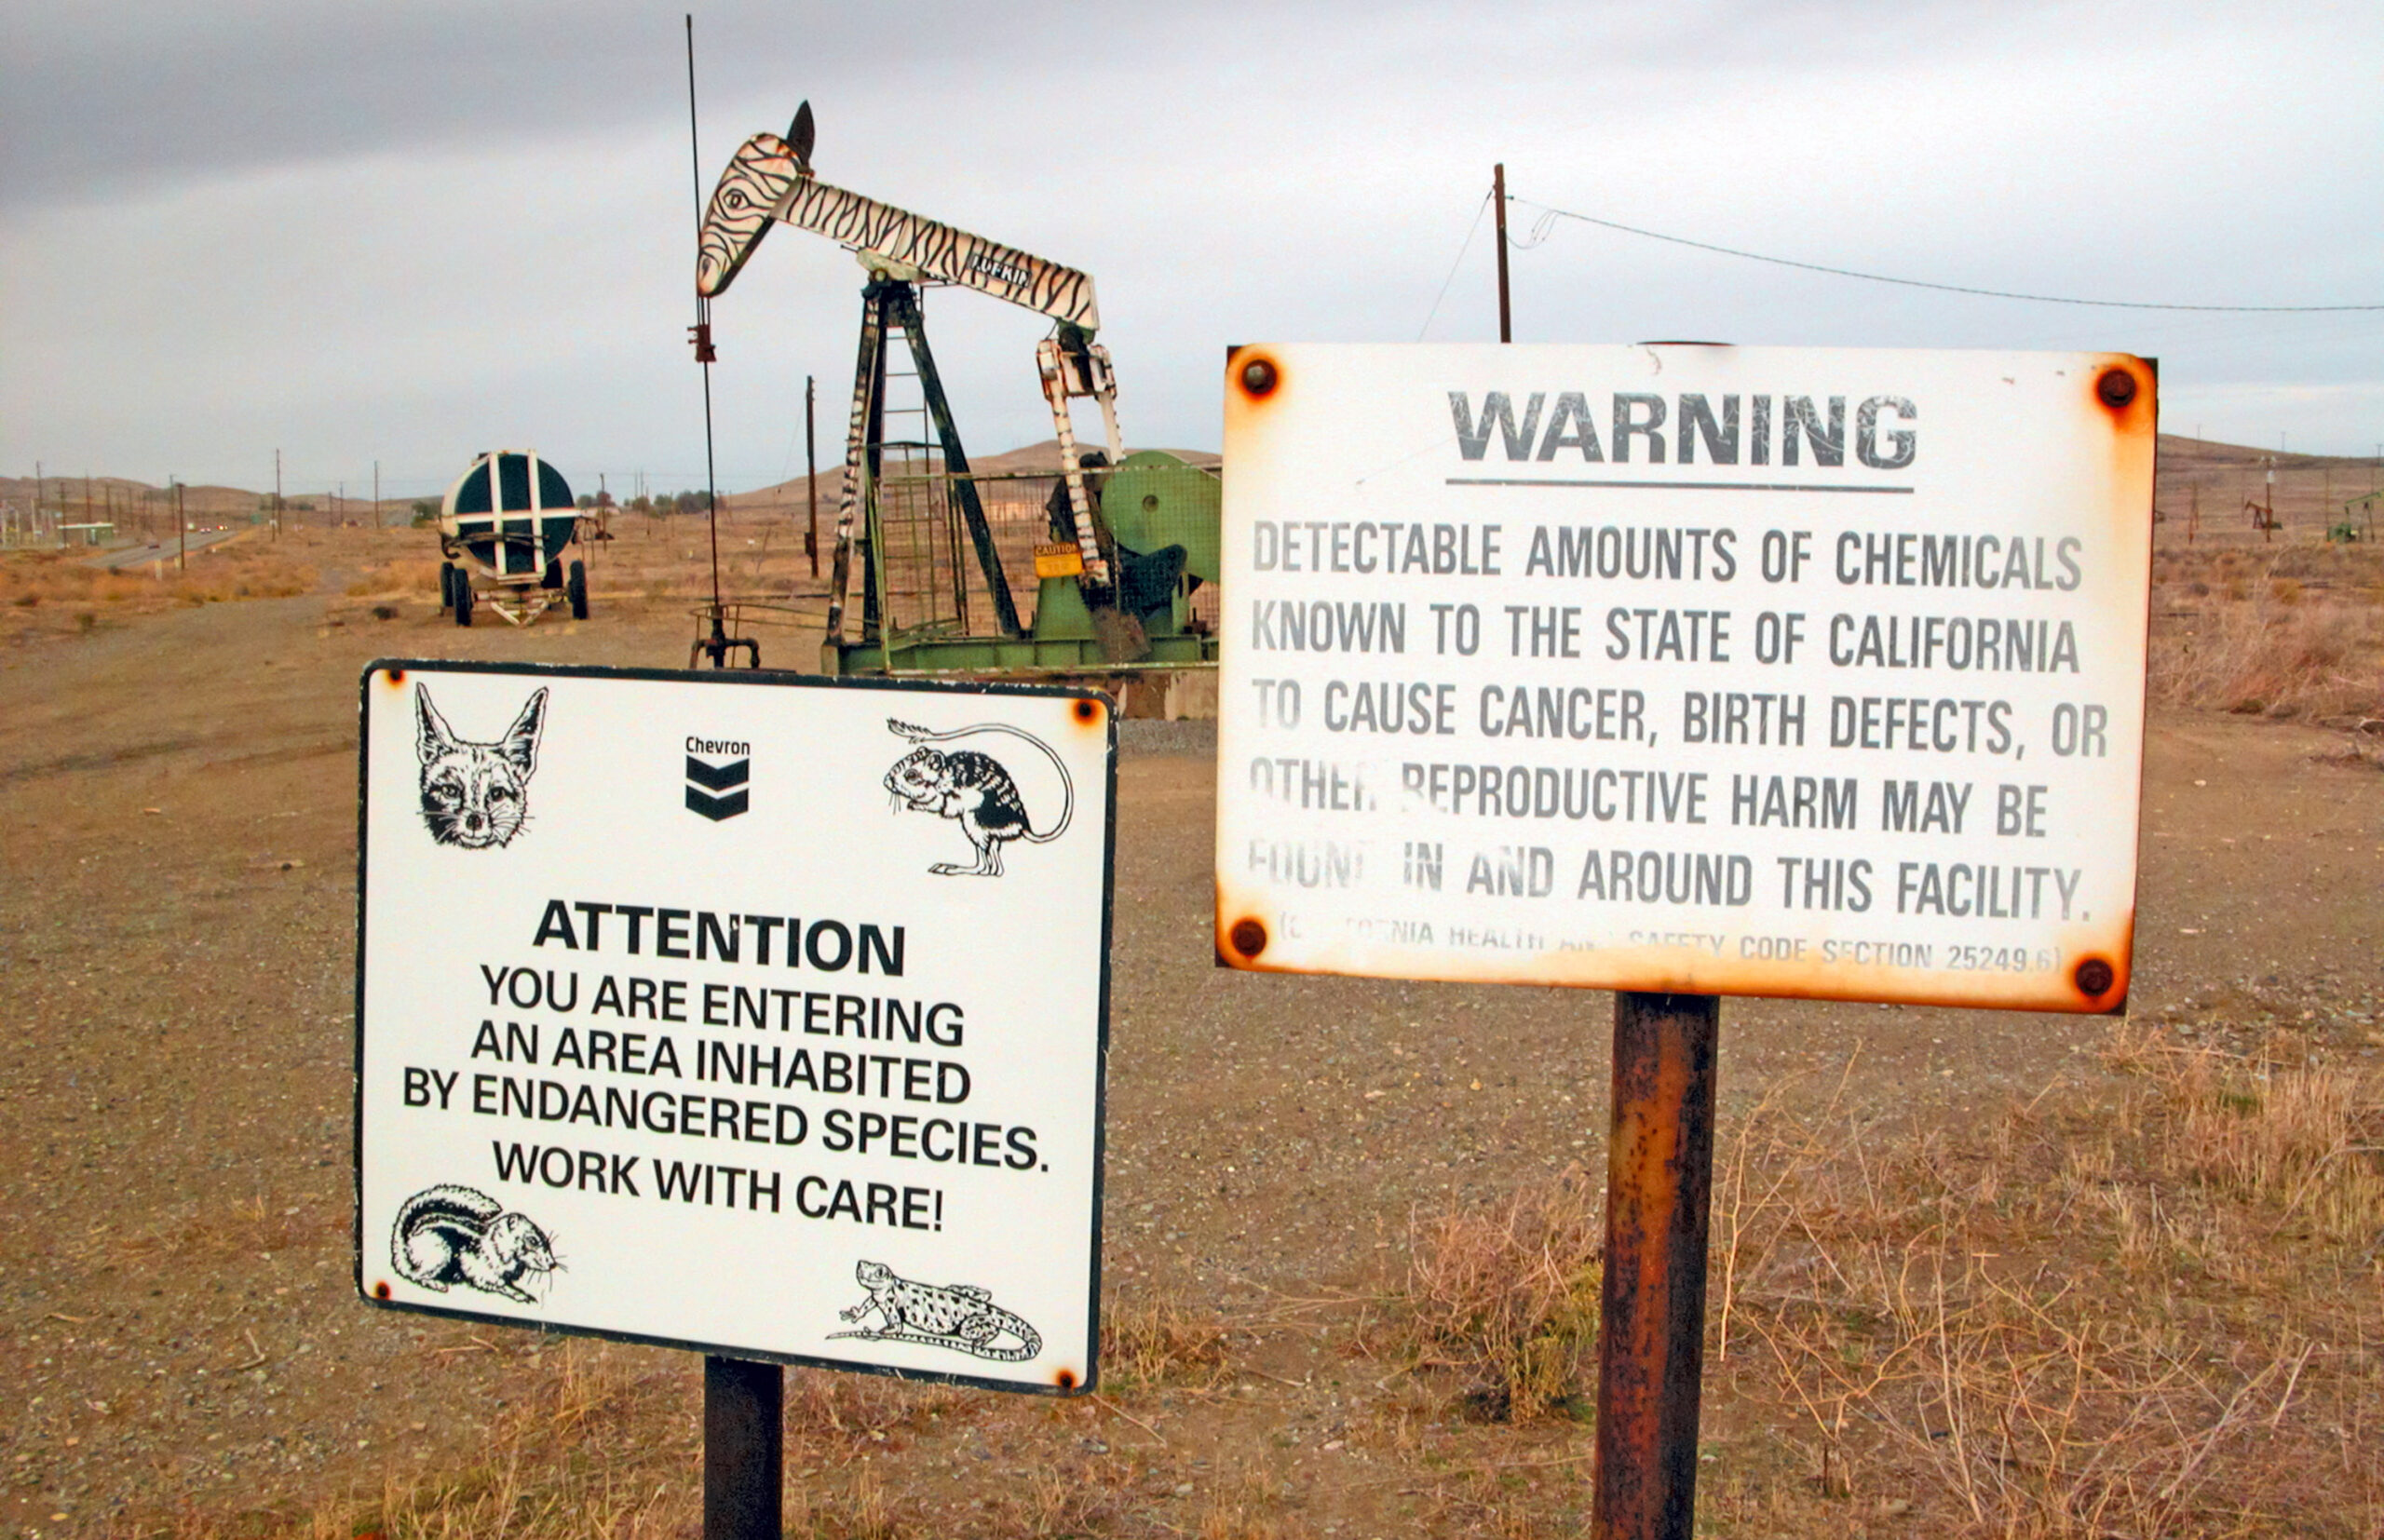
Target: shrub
point(1507, 1296)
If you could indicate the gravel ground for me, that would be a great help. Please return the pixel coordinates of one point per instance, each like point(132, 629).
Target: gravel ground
point(176, 933)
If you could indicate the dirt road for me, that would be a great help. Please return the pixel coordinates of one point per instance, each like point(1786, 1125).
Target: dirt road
point(176, 922)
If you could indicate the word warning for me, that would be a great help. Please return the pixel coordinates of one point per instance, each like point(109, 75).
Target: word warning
point(815, 1076)
point(1691, 669)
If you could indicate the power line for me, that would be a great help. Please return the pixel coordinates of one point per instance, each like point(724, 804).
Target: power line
point(1470, 231)
point(1549, 215)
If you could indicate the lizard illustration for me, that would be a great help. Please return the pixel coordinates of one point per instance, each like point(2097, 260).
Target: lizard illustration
point(961, 1317)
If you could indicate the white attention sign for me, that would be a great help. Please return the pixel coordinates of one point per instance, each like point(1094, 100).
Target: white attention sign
point(1783, 672)
point(756, 1014)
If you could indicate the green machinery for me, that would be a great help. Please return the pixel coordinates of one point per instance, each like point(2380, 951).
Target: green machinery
point(1117, 544)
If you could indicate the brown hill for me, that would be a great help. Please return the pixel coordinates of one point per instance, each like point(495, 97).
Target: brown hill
point(1041, 459)
point(2233, 470)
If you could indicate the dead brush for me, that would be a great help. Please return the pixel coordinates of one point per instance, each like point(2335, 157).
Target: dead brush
point(1505, 1297)
point(2142, 1316)
point(395, 579)
point(1046, 1501)
point(236, 1229)
point(1153, 1342)
point(53, 592)
point(1246, 1508)
point(2362, 748)
point(828, 1414)
point(2301, 657)
point(575, 1457)
point(2304, 1141)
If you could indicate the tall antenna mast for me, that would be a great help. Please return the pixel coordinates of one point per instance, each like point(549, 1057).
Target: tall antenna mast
point(702, 330)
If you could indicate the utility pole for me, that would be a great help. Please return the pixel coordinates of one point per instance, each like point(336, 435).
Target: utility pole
point(277, 494)
point(1498, 197)
point(812, 483)
point(182, 530)
point(376, 495)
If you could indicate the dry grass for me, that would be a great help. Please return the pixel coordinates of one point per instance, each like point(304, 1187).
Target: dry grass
point(1248, 1509)
point(2232, 632)
point(403, 578)
point(578, 1458)
point(220, 1231)
point(2146, 1317)
point(2316, 660)
point(1505, 1298)
point(2138, 1306)
point(608, 1445)
point(1147, 1342)
point(54, 592)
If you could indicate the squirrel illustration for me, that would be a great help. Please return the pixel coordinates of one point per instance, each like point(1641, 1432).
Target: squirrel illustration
point(448, 1235)
point(961, 1317)
point(974, 789)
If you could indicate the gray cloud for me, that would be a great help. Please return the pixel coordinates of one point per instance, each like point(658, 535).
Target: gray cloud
point(99, 99)
point(408, 232)
point(101, 102)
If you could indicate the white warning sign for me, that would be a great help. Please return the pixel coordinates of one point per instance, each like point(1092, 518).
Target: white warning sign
point(755, 1014)
point(1686, 668)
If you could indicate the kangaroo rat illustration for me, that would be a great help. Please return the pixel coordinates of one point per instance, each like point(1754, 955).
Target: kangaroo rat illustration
point(456, 1234)
point(961, 1317)
point(475, 794)
point(974, 789)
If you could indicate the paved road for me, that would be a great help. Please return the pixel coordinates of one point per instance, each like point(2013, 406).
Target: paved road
point(141, 556)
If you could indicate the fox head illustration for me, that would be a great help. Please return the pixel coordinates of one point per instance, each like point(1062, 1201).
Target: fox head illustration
point(475, 794)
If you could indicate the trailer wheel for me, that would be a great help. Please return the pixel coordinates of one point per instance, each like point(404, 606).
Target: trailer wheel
point(446, 585)
point(577, 587)
point(552, 576)
point(463, 598)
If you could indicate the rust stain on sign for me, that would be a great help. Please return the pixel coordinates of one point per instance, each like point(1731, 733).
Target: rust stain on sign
point(1254, 383)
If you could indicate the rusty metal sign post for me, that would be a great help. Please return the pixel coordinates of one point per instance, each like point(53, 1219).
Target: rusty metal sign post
point(1684, 670)
point(1651, 1335)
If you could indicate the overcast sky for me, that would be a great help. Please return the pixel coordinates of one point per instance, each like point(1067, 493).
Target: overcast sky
point(407, 233)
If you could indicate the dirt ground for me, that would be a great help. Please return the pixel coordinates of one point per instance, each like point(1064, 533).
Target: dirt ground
point(183, 1345)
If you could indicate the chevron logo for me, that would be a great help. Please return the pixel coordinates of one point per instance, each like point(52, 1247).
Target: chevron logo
point(718, 790)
